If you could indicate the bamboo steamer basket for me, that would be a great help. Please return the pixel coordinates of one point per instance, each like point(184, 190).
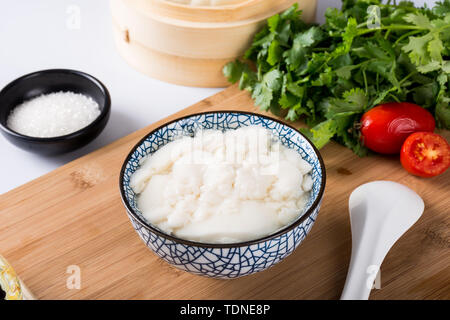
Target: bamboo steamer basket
point(189, 45)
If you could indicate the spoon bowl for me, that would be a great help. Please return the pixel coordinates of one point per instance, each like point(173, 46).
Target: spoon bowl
point(380, 213)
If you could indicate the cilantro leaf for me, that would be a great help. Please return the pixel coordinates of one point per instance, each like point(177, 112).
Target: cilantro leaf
point(309, 37)
point(443, 102)
point(446, 66)
point(443, 113)
point(274, 53)
point(430, 66)
point(272, 22)
point(435, 48)
point(441, 8)
point(263, 96)
point(417, 48)
point(323, 132)
point(329, 75)
point(292, 13)
point(353, 101)
point(263, 91)
point(233, 70)
point(419, 19)
point(296, 56)
point(345, 72)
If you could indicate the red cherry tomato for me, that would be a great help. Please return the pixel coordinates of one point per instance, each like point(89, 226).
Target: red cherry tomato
point(425, 154)
point(385, 127)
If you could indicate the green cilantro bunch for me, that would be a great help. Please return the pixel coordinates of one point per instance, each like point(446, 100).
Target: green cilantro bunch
point(365, 54)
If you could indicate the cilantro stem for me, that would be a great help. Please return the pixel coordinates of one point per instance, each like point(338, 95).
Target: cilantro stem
point(406, 35)
point(407, 77)
point(362, 24)
point(394, 97)
point(400, 27)
point(377, 80)
point(391, 27)
point(365, 81)
point(394, 6)
point(443, 27)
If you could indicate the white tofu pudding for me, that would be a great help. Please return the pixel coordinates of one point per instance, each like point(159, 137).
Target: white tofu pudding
point(223, 187)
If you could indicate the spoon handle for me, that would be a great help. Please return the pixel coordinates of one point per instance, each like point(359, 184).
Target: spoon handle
point(364, 267)
point(359, 280)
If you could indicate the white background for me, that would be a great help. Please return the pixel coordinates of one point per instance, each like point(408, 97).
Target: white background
point(34, 36)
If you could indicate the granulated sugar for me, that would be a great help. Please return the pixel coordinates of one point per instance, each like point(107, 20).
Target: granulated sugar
point(54, 114)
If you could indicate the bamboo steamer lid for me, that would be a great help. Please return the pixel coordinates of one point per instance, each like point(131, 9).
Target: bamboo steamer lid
point(239, 10)
point(189, 45)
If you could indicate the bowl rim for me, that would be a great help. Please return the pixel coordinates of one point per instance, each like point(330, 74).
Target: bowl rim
point(103, 112)
point(175, 239)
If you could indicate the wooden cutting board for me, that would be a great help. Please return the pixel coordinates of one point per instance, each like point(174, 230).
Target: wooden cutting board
point(73, 216)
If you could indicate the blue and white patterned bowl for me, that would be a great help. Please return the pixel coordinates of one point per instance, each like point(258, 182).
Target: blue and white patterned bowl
point(233, 260)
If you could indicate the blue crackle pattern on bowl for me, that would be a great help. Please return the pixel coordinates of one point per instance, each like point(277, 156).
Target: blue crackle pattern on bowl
point(231, 260)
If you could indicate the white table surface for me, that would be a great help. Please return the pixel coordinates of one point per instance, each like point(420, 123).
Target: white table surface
point(34, 35)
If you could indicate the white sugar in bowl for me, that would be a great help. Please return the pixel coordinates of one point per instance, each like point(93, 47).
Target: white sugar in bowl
point(188, 42)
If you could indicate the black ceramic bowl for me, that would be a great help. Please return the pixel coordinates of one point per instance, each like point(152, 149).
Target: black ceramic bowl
point(48, 81)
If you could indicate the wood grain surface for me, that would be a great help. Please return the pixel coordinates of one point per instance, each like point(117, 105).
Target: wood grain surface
point(73, 216)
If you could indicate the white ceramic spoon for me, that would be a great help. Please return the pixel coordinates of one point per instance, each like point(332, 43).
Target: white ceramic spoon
point(380, 213)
